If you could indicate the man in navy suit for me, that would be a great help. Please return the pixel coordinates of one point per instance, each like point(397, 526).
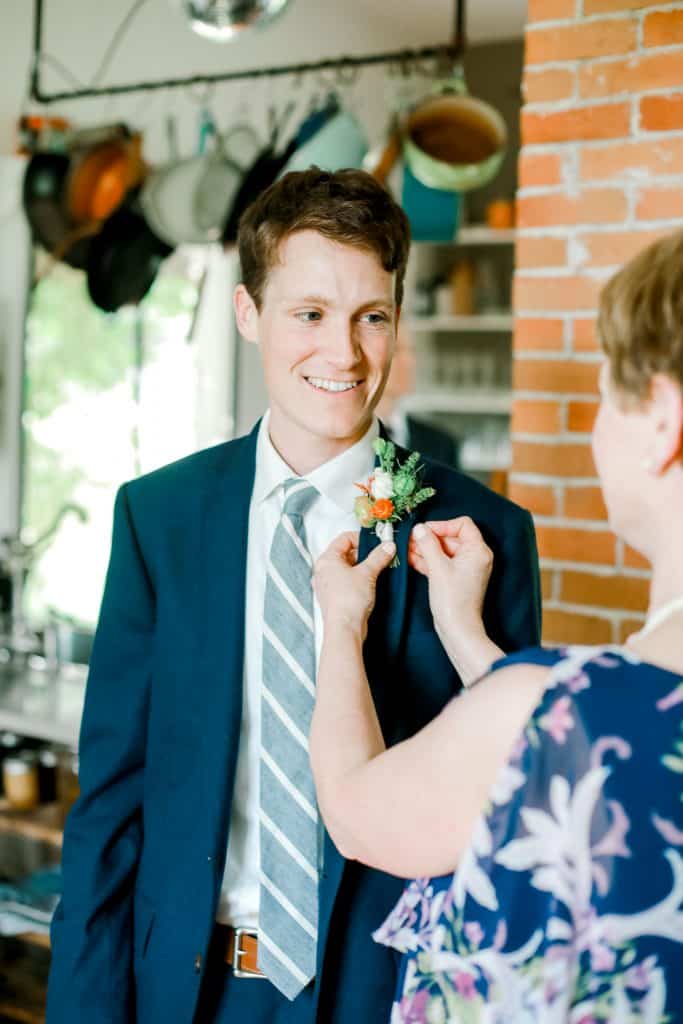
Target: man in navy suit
point(170, 910)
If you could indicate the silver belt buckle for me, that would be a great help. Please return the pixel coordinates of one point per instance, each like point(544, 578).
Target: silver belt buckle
point(237, 953)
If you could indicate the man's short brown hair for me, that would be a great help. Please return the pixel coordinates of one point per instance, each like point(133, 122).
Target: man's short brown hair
point(640, 321)
point(346, 206)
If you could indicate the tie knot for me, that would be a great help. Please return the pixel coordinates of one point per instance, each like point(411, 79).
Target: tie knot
point(299, 496)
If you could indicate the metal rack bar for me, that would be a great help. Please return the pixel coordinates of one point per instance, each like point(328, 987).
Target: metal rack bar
point(448, 51)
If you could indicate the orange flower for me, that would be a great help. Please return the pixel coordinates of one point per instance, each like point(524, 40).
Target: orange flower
point(383, 509)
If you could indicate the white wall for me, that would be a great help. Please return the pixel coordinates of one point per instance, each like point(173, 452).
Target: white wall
point(14, 268)
point(159, 45)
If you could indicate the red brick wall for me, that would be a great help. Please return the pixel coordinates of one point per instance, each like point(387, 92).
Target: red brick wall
point(600, 176)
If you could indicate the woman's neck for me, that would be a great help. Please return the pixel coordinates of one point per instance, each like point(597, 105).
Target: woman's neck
point(667, 576)
point(662, 644)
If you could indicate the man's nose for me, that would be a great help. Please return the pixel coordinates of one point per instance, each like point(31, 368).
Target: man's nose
point(343, 349)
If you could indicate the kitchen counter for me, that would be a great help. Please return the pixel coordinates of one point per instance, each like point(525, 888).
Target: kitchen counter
point(41, 704)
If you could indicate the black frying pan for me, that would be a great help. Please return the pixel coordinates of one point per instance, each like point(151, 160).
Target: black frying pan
point(124, 259)
point(43, 200)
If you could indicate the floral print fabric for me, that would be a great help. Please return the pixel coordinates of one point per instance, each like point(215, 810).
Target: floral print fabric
point(568, 904)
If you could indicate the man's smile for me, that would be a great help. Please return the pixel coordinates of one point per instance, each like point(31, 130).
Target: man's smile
point(335, 386)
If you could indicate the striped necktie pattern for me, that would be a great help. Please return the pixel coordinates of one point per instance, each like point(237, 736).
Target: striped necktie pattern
point(289, 821)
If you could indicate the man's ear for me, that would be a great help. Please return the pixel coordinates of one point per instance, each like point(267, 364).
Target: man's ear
point(666, 406)
point(246, 314)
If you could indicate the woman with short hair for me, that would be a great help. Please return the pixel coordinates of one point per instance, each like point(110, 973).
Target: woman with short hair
point(540, 815)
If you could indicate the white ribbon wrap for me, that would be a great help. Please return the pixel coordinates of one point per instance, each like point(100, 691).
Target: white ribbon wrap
point(385, 531)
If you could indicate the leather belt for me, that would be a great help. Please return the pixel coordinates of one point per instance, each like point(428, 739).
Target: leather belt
point(239, 949)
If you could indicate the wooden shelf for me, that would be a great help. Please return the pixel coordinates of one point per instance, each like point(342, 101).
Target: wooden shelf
point(23, 982)
point(34, 939)
point(45, 823)
point(10, 1012)
point(481, 322)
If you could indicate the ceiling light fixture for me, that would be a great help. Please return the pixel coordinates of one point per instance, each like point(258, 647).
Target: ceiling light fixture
point(222, 20)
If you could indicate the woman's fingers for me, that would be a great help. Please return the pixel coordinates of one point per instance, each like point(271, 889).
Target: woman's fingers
point(415, 559)
point(429, 546)
point(460, 528)
point(343, 548)
point(378, 559)
point(452, 535)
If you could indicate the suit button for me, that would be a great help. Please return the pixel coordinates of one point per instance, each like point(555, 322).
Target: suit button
point(198, 963)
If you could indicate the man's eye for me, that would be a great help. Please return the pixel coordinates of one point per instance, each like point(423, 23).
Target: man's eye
point(375, 318)
point(308, 316)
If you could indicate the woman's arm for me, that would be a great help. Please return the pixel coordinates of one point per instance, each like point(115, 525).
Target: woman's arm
point(457, 563)
point(410, 810)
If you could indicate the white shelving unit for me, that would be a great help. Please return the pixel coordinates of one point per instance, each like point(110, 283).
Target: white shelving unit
point(479, 322)
point(478, 415)
point(479, 234)
point(482, 464)
point(470, 402)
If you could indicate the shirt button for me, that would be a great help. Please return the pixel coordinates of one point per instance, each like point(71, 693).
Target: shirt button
point(209, 858)
point(198, 963)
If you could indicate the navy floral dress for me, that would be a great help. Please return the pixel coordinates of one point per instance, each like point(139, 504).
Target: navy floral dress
point(568, 904)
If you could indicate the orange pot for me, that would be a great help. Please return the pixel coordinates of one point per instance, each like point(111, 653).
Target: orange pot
point(100, 177)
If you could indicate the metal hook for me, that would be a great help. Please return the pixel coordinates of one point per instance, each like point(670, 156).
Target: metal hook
point(347, 72)
point(326, 79)
point(201, 93)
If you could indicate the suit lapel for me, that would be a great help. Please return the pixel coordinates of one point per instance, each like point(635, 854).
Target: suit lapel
point(224, 521)
point(388, 618)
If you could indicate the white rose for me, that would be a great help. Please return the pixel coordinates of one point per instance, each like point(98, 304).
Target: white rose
point(382, 485)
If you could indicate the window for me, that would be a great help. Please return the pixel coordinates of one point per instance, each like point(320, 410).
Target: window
point(107, 397)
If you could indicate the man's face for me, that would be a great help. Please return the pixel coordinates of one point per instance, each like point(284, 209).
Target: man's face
point(326, 331)
point(402, 377)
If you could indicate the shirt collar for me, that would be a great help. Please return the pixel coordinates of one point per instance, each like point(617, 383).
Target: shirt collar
point(335, 479)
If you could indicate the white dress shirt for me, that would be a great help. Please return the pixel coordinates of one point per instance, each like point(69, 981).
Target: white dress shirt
point(331, 514)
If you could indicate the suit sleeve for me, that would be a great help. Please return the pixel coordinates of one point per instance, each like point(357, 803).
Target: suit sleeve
point(512, 610)
point(92, 947)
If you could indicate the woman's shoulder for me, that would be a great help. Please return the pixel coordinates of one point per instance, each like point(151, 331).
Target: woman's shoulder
point(601, 683)
point(565, 662)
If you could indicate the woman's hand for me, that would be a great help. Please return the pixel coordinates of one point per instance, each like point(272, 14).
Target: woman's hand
point(457, 563)
point(346, 588)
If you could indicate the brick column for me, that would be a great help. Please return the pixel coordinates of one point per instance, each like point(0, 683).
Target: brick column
point(600, 176)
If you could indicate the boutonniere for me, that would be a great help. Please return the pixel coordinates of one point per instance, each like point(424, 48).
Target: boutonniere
point(392, 491)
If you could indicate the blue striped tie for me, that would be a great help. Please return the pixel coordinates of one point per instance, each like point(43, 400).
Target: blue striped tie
point(289, 823)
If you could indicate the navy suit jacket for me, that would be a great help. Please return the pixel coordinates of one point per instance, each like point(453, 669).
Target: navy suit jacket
point(145, 845)
point(433, 442)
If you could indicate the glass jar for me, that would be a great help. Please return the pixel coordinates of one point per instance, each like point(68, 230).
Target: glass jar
point(20, 780)
point(10, 745)
point(47, 775)
point(68, 788)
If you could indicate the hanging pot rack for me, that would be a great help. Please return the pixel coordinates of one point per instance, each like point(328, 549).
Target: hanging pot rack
point(343, 65)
